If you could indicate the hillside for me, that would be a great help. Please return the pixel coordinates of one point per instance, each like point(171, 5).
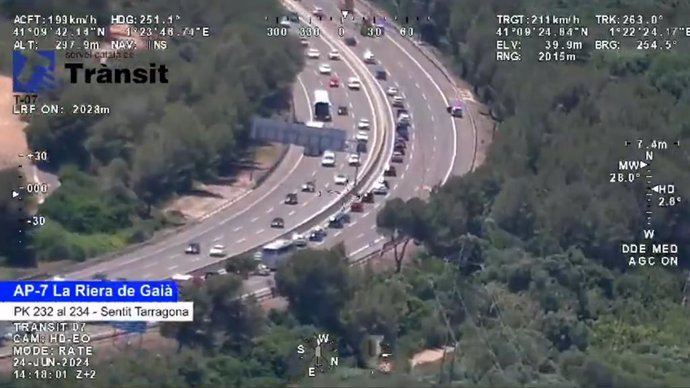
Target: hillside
point(158, 141)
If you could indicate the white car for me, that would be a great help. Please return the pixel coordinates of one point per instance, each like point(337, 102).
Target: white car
point(403, 118)
point(325, 68)
point(285, 22)
point(398, 100)
point(299, 240)
point(369, 57)
point(363, 124)
point(328, 159)
point(353, 160)
point(217, 251)
point(380, 189)
point(313, 53)
point(304, 41)
point(392, 91)
point(362, 136)
point(354, 83)
point(334, 55)
point(341, 179)
point(262, 270)
point(318, 11)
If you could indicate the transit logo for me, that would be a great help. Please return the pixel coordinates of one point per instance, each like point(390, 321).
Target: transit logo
point(42, 76)
point(31, 77)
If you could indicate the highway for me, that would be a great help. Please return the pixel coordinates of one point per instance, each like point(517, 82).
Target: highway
point(439, 146)
point(246, 223)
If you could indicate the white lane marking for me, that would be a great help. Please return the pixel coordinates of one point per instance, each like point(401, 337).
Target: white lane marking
point(172, 268)
point(240, 241)
point(196, 259)
point(402, 176)
point(395, 186)
point(337, 233)
point(376, 206)
point(254, 219)
point(218, 238)
point(260, 231)
point(150, 264)
point(357, 251)
point(365, 214)
point(269, 211)
point(424, 96)
point(146, 276)
point(445, 100)
point(237, 229)
point(291, 213)
point(305, 204)
point(416, 84)
point(359, 236)
point(373, 227)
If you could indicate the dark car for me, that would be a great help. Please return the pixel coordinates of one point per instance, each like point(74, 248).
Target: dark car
point(350, 41)
point(291, 199)
point(400, 146)
point(390, 171)
point(317, 234)
point(193, 249)
point(100, 276)
point(339, 220)
point(342, 110)
point(278, 223)
point(367, 197)
point(357, 206)
point(397, 157)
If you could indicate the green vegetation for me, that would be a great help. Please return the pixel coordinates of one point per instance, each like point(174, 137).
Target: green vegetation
point(158, 139)
point(520, 272)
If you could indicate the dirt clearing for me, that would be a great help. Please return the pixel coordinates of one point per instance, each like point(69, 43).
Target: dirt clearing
point(211, 196)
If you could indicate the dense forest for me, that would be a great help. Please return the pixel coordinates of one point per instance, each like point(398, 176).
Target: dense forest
point(158, 139)
point(519, 267)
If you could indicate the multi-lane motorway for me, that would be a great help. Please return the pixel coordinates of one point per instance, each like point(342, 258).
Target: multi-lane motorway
point(246, 223)
point(439, 146)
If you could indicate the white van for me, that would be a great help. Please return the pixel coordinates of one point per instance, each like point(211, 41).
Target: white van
point(328, 159)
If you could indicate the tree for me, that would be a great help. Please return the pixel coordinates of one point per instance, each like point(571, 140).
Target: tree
point(317, 285)
point(163, 137)
point(222, 320)
point(243, 265)
point(395, 221)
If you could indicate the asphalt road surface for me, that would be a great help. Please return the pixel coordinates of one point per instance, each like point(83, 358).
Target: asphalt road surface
point(439, 146)
point(246, 223)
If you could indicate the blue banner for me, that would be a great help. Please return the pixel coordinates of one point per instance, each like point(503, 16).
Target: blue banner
point(89, 291)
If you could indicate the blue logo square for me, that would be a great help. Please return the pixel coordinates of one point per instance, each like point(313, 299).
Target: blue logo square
point(41, 76)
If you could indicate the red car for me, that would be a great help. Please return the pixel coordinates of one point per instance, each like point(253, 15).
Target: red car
point(334, 83)
point(356, 206)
